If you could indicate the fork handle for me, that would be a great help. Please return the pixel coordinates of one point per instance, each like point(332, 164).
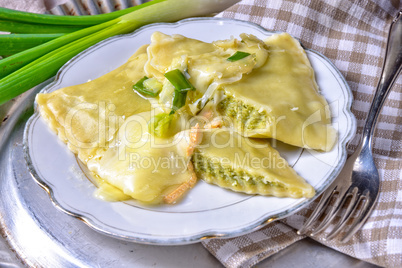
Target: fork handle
point(391, 68)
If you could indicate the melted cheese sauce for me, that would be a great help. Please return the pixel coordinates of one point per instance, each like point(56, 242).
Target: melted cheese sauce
point(205, 63)
point(146, 168)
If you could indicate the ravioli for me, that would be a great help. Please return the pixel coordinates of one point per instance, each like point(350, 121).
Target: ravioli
point(281, 99)
point(205, 63)
point(87, 116)
point(252, 166)
point(164, 49)
point(144, 167)
point(269, 92)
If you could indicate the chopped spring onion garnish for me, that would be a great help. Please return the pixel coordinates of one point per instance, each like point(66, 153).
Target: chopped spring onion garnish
point(238, 56)
point(159, 124)
point(179, 81)
point(141, 87)
point(181, 85)
point(153, 85)
point(179, 100)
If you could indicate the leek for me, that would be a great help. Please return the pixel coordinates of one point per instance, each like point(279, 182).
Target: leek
point(60, 50)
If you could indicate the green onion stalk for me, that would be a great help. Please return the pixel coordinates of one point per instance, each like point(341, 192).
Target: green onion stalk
point(15, 62)
point(14, 43)
point(42, 62)
point(47, 19)
point(181, 87)
point(159, 125)
point(20, 27)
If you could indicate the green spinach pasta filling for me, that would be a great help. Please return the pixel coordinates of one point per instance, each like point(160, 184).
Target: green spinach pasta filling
point(227, 177)
point(246, 116)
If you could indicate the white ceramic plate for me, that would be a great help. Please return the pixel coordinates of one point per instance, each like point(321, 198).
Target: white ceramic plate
point(207, 211)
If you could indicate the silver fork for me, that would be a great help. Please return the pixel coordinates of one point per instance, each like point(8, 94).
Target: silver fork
point(359, 179)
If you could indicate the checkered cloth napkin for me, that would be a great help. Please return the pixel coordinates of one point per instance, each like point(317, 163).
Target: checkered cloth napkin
point(352, 34)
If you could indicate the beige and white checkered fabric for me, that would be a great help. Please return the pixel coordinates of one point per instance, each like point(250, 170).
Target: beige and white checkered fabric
point(352, 34)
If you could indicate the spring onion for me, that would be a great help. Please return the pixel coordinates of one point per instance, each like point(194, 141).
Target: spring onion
point(43, 61)
point(238, 56)
point(46, 66)
point(153, 85)
point(179, 100)
point(20, 27)
point(17, 61)
point(47, 19)
point(14, 43)
point(181, 85)
point(159, 124)
point(178, 80)
point(143, 89)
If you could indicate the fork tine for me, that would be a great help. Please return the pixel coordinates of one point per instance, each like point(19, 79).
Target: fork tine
point(326, 221)
point(320, 208)
point(345, 193)
point(361, 218)
point(354, 203)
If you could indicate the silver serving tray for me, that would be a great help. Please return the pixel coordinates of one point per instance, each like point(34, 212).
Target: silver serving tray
point(40, 235)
